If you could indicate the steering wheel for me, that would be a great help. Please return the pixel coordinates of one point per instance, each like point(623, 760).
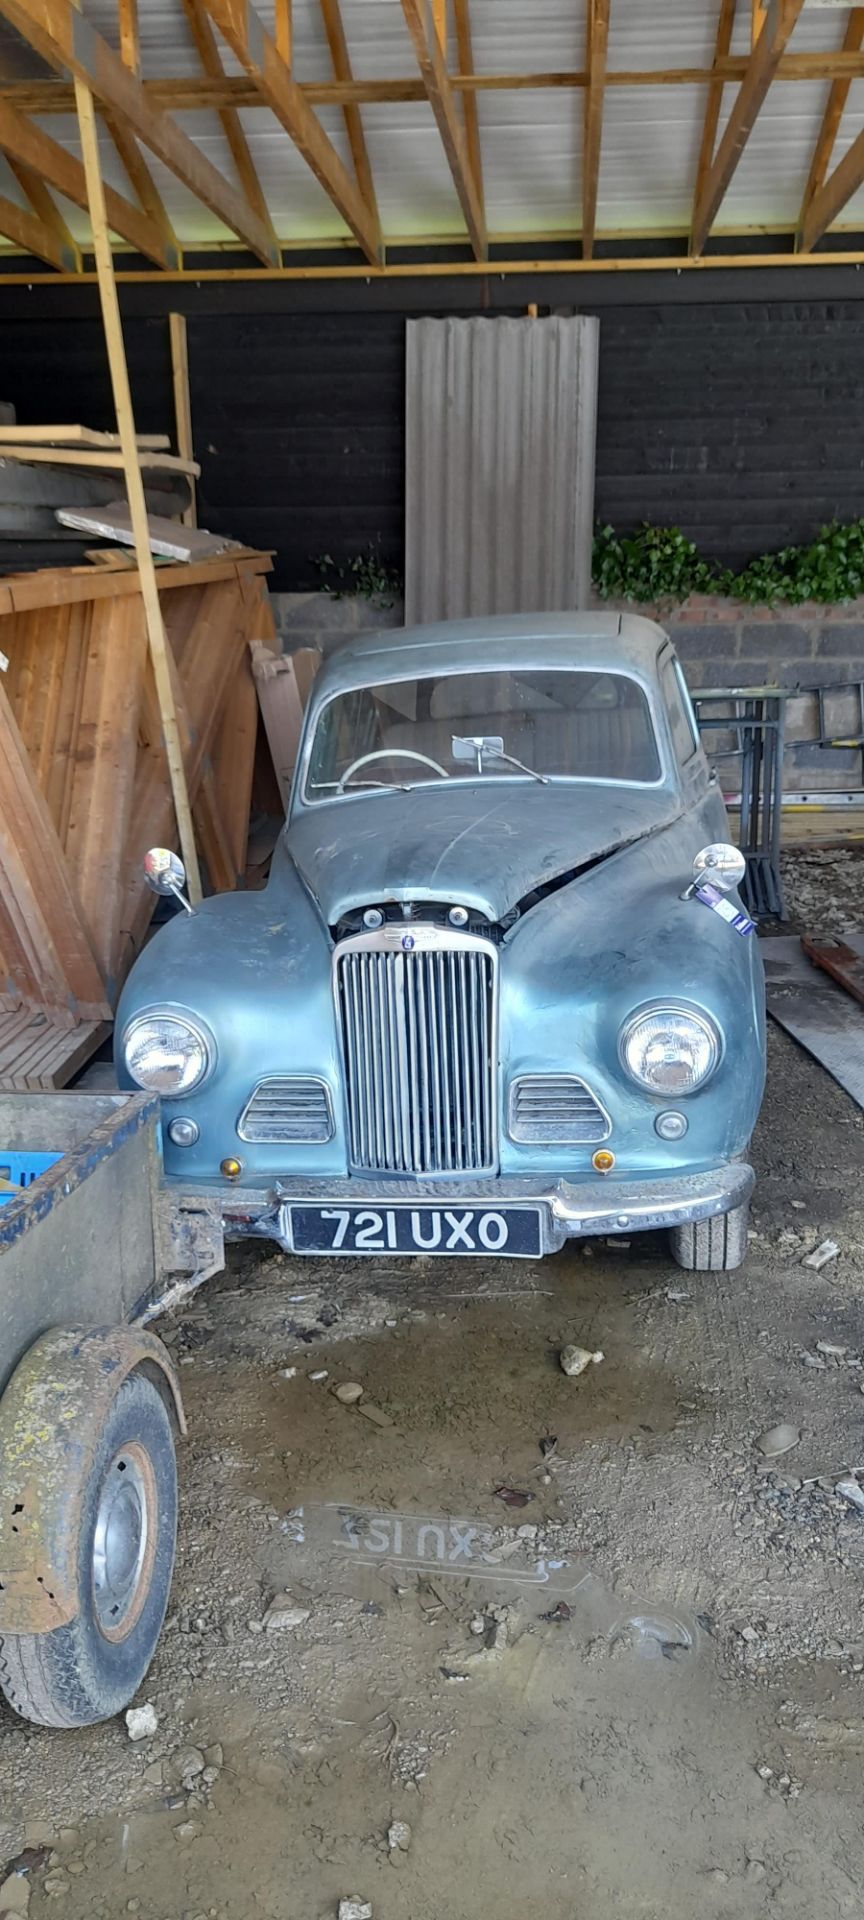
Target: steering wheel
point(389, 753)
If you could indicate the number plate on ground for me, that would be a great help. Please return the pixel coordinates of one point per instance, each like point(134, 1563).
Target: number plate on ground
point(514, 1231)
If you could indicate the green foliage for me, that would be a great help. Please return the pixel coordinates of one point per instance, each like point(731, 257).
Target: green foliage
point(659, 564)
point(654, 563)
point(367, 575)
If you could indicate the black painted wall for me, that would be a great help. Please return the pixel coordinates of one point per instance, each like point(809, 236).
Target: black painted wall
point(742, 423)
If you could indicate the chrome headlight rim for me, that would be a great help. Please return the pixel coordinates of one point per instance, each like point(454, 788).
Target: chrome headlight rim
point(680, 1009)
point(181, 1016)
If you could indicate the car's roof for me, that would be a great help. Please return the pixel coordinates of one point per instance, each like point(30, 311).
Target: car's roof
point(598, 641)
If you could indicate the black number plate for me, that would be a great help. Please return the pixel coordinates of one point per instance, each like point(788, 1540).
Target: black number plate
point(513, 1231)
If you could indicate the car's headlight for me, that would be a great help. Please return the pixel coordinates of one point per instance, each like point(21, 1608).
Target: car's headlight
point(168, 1052)
point(670, 1049)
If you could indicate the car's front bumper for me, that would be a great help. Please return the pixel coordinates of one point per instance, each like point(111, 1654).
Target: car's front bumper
point(568, 1209)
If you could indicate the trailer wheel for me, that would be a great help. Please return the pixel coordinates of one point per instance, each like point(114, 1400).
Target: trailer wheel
point(89, 1669)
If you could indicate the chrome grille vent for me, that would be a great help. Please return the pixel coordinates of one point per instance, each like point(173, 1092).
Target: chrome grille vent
point(284, 1109)
point(555, 1107)
point(418, 1031)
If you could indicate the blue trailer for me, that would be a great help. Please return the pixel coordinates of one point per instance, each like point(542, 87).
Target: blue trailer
point(90, 1406)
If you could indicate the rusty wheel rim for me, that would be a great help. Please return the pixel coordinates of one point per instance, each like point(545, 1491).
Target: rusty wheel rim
point(124, 1542)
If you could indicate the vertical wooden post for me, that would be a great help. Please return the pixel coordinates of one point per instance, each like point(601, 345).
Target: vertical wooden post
point(284, 32)
point(134, 484)
point(182, 403)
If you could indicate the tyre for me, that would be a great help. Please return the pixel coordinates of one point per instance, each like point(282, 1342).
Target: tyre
point(712, 1246)
point(90, 1669)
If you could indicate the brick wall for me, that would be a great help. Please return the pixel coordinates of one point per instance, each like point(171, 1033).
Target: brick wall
point(721, 643)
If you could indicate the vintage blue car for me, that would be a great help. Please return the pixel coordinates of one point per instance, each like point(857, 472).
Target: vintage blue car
point(499, 991)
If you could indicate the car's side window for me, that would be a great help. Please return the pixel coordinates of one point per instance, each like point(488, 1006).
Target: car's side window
point(682, 719)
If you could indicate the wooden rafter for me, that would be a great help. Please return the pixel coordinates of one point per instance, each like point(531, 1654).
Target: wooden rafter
point(262, 61)
point(47, 211)
point(25, 229)
point(465, 56)
point(23, 141)
point(284, 30)
point(780, 19)
point(188, 94)
point(833, 196)
point(439, 93)
point(714, 102)
point(56, 30)
point(597, 43)
point(831, 119)
point(335, 31)
point(130, 38)
point(131, 158)
point(207, 48)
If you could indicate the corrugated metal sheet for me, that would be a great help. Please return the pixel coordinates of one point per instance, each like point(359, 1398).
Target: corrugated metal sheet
point(500, 434)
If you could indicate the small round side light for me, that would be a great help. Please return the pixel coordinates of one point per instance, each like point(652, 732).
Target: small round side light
point(458, 916)
point(231, 1168)
point(671, 1126)
point(603, 1161)
point(183, 1132)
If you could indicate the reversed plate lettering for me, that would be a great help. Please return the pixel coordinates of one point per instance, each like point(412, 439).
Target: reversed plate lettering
point(481, 1231)
point(350, 1537)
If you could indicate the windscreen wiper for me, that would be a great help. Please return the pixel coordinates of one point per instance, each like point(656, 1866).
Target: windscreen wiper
point(471, 746)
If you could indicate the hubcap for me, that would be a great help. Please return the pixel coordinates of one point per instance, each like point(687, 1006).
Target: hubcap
point(123, 1542)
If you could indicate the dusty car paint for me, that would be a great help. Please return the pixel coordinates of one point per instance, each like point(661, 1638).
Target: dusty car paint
point(608, 932)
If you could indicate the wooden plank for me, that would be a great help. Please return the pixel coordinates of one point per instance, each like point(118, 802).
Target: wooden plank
point(134, 484)
point(189, 93)
point(143, 186)
point(465, 56)
point(259, 55)
point(59, 586)
point(763, 63)
point(439, 93)
point(46, 209)
point(104, 768)
point(335, 31)
point(233, 762)
point(828, 131)
point(110, 461)
point(67, 40)
point(77, 437)
point(283, 682)
point(182, 401)
point(284, 31)
point(211, 60)
point(206, 666)
point(713, 104)
point(22, 140)
point(212, 830)
point(43, 938)
point(28, 232)
point(130, 39)
point(597, 43)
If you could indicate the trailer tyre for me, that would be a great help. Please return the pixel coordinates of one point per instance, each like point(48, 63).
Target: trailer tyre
point(90, 1669)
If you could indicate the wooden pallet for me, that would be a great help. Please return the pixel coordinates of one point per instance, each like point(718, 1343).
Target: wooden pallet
point(84, 787)
point(37, 1055)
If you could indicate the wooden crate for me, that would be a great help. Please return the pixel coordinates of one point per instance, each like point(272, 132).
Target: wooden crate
point(84, 785)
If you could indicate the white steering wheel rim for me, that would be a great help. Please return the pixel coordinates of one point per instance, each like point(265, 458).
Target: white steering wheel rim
point(390, 753)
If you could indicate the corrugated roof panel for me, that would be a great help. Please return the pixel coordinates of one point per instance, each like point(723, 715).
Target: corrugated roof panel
point(648, 157)
point(531, 145)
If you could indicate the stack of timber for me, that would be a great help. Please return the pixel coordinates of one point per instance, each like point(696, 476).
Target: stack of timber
point(46, 468)
point(84, 787)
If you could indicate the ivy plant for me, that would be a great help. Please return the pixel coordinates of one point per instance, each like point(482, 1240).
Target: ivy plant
point(660, 564)
point(366, 574)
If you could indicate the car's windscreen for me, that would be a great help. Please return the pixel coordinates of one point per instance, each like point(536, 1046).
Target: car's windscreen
point(514, 723)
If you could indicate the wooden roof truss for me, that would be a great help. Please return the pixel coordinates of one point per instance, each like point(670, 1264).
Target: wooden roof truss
point(139, 114)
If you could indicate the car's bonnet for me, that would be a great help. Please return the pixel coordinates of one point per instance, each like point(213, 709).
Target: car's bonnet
point(486, 844)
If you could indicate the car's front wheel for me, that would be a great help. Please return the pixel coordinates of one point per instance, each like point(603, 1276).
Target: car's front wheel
point(712, 1246)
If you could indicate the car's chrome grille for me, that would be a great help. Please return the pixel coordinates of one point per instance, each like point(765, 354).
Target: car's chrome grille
point(286, 1108)
point(418, 1031)
point(555, 1108)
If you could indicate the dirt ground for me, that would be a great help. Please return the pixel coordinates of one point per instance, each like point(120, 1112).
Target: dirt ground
point(668, 1722)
